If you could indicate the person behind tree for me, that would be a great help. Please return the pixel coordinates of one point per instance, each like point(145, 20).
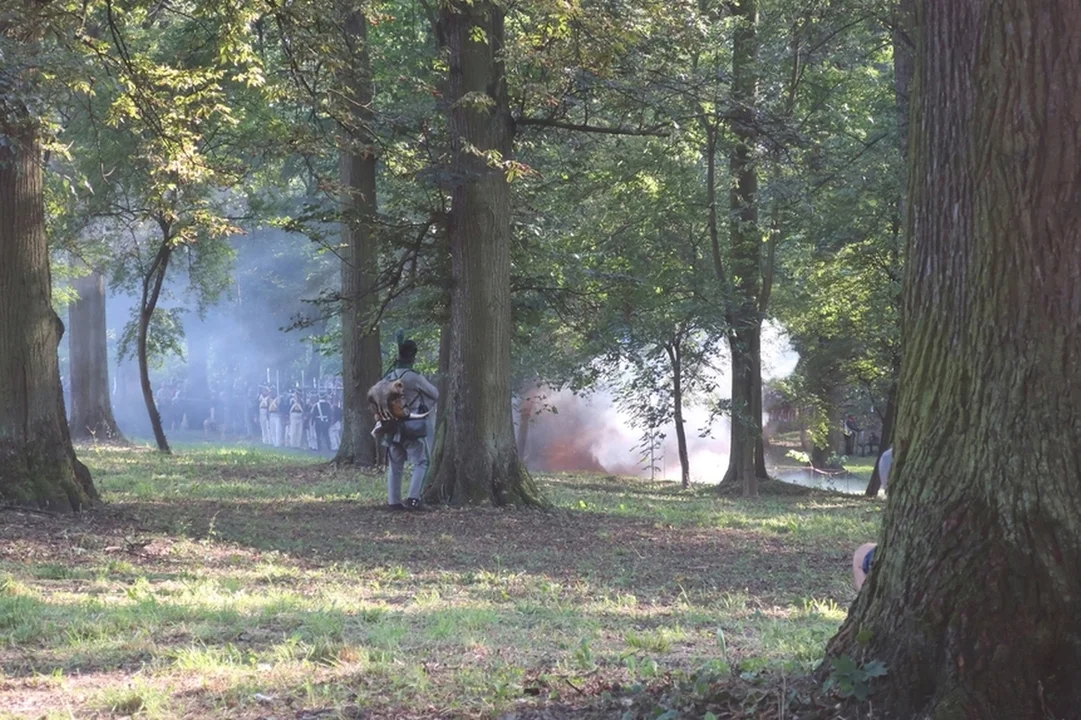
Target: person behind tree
point(410, 438)
point(865, 554)
point(851, 430)
point(264, 414)
point(283, 419)
point(310, 401)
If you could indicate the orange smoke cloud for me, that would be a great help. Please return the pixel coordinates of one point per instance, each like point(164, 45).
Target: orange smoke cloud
point(564, 441)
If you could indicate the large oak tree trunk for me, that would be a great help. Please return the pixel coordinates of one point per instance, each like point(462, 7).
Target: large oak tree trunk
point(746, 257)
point(361, 356)
point(975, 593)
point(475, 459)
point(91, 406)
point(37, 461)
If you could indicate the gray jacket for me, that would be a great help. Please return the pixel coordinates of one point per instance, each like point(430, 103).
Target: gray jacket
point(418, 390)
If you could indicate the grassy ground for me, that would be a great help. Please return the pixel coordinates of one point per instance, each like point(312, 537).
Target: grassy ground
point(232, 582)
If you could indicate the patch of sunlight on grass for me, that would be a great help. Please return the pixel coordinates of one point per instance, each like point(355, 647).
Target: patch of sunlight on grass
point(209, 660)
point(139, 697)
point(659, 640)
point(825, 609)
point(461, 623)
point(861, 467)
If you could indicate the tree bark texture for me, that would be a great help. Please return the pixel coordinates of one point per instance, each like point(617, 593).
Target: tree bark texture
point(91, 404)
point(37, 461)
point(745, 266)
point(476, 459)
point(741, 452)
point(975, 593)
point(361, 357)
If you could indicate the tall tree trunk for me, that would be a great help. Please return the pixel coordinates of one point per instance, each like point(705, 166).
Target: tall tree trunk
point(825, 448)
point(675, 358)
point(975, 591)
point(37, 461)
point(741, 453)
point(151, 291)
point(475, 458)
point(91, 405)
point(746, 255)
point(361, 357)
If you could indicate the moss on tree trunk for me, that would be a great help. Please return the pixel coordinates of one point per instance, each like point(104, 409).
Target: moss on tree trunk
point(975, 595)
point(37, 461)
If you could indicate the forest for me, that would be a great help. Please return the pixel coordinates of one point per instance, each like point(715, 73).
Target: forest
point(666, 307)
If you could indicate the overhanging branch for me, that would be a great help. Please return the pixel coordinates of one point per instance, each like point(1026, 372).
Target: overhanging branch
point(655, 131)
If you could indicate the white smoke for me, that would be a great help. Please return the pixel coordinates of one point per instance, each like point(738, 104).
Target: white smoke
point(591, 431)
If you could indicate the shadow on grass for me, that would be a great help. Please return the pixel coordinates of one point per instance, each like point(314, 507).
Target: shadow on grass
point(227, 560)
point(653, 559)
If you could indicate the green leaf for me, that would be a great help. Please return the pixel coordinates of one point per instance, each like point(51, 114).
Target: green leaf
point(843, 665)
point(875, 668)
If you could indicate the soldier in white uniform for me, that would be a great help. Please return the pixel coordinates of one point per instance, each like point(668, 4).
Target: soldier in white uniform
point(277, 427)
point(296, 421)
point(264, 414)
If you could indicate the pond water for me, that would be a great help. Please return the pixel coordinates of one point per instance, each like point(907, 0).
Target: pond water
point(846, 483)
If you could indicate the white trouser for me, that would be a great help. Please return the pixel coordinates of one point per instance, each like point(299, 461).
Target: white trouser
point(277, 430)
point(264, 425)
point(296, 429)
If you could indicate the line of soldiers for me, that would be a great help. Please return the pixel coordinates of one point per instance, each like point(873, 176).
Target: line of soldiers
point(297, 418)
point(301, 418)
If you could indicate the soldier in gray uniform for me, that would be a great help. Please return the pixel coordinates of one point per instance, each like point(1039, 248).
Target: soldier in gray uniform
point(419, 396)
